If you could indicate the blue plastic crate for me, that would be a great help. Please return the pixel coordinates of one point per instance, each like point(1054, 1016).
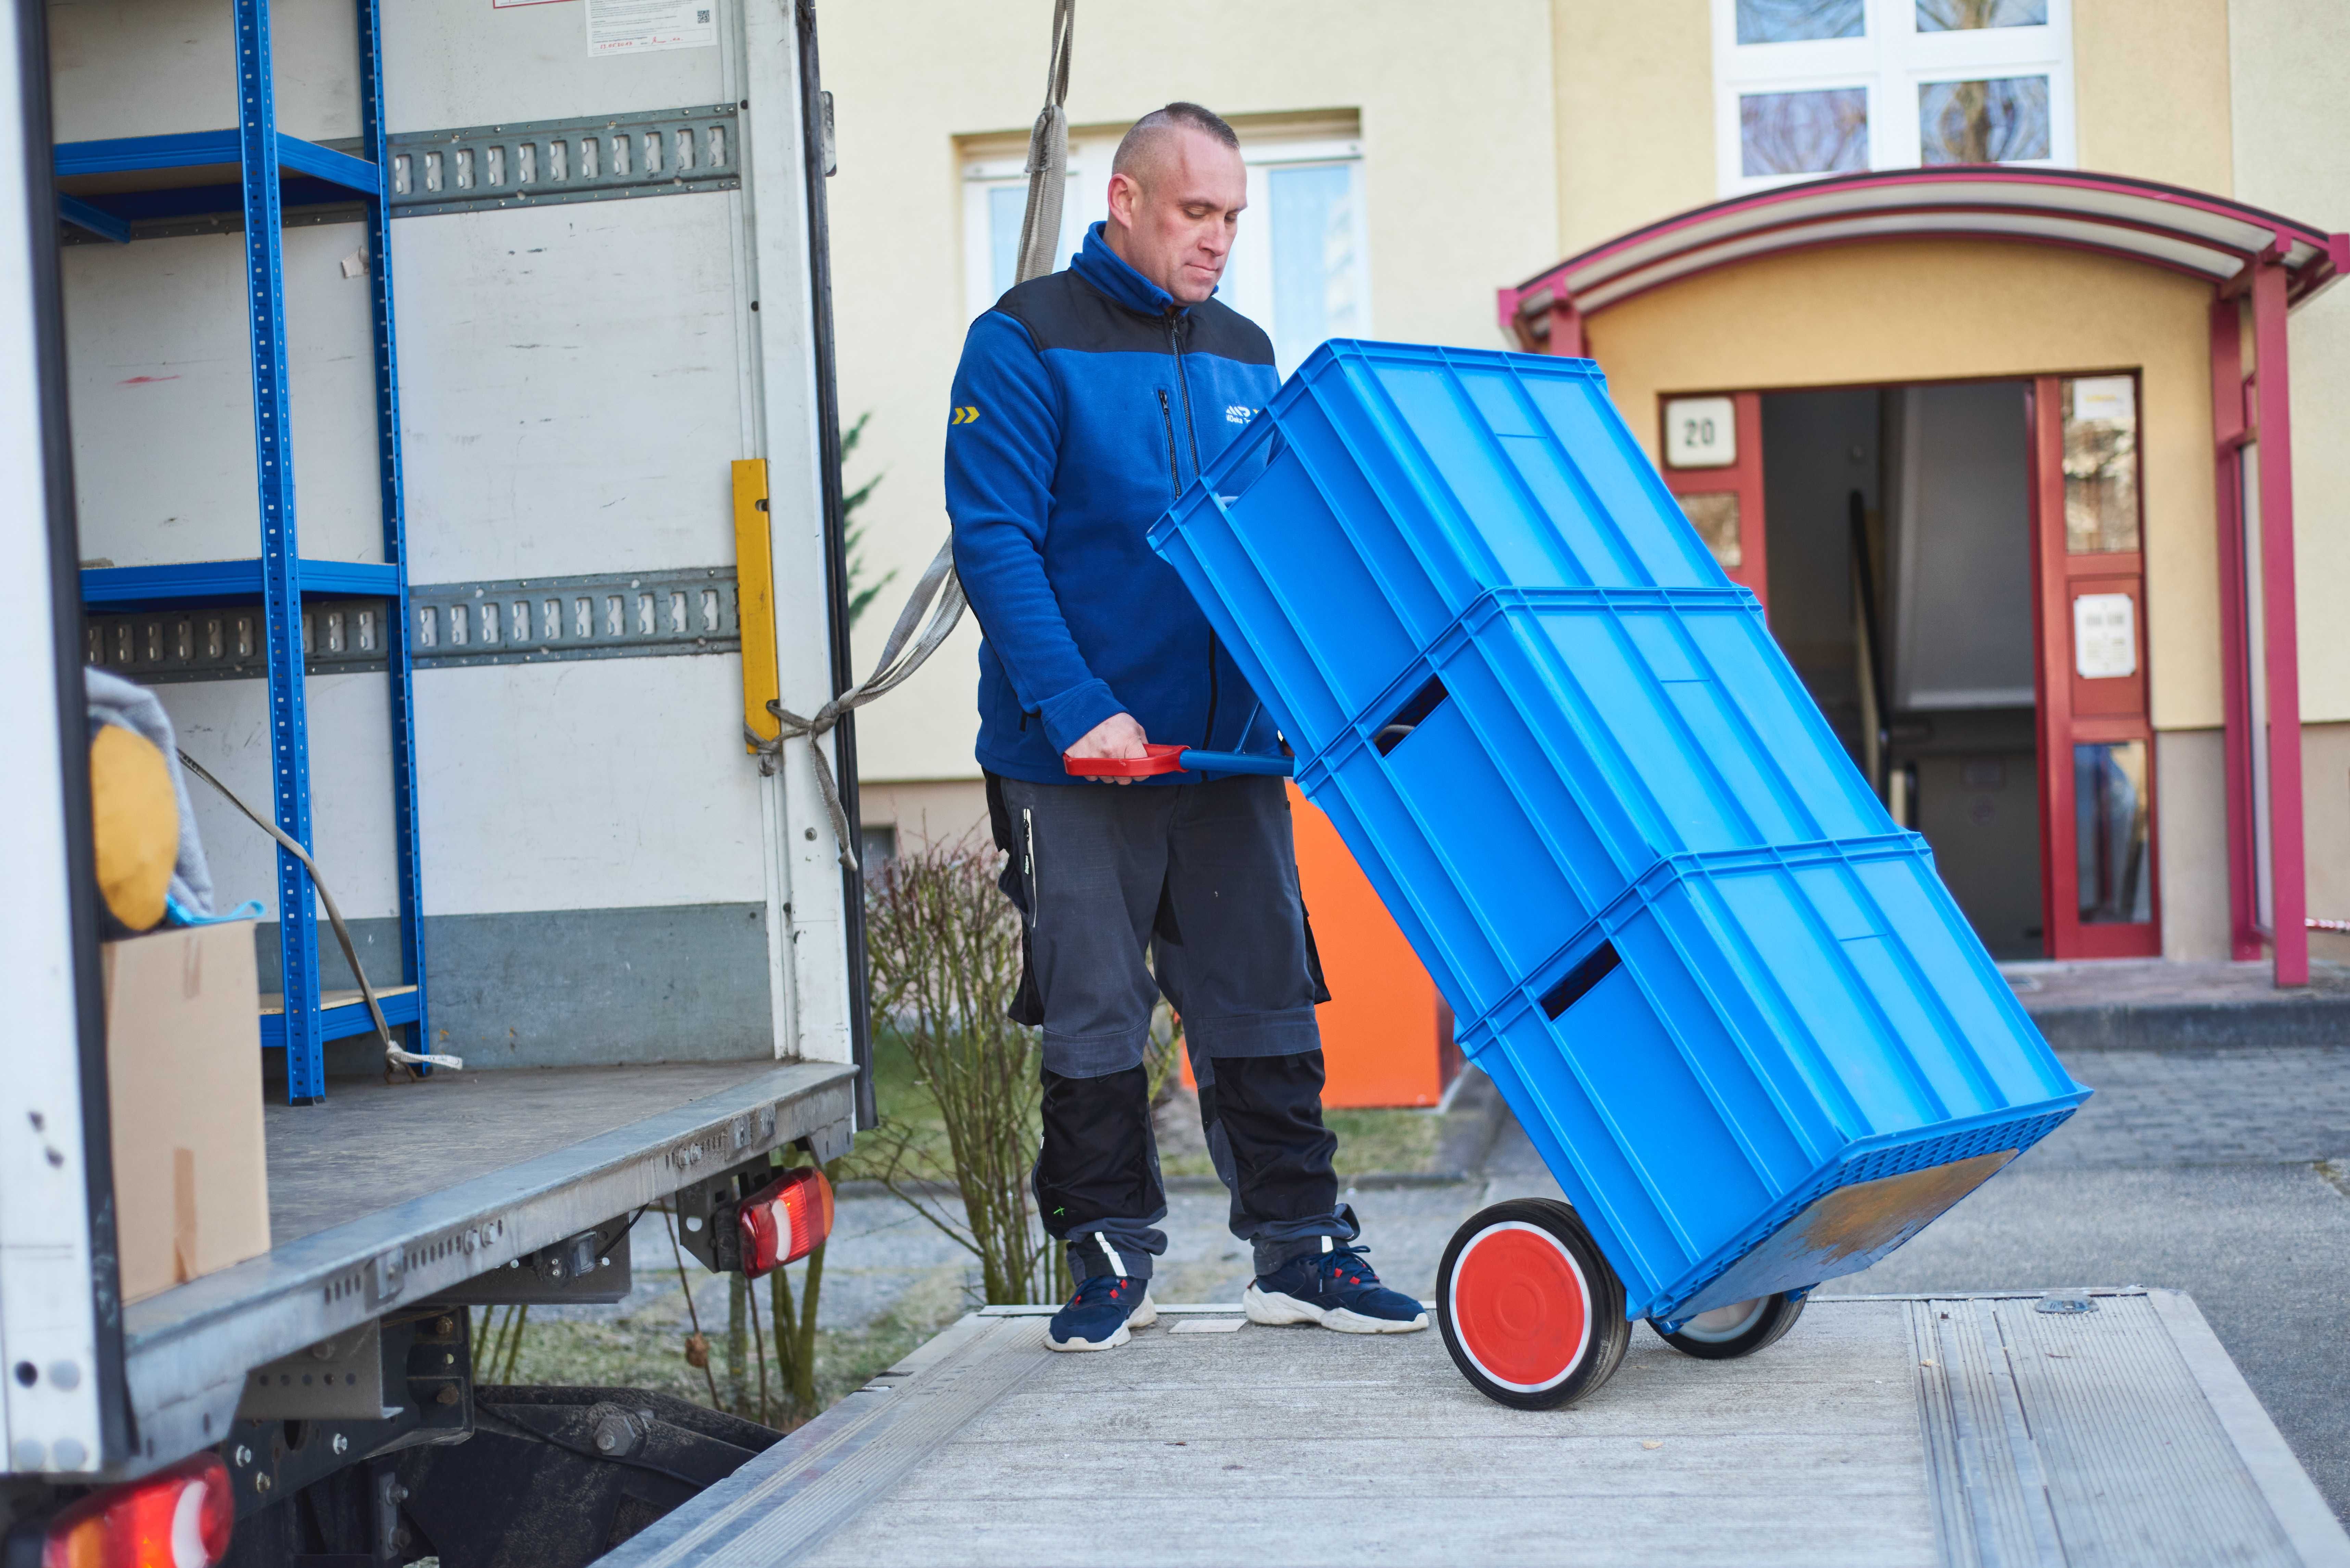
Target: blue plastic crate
point(1733, 1005)
point(1575, 736)
point(1385, 487)
point(1738, 1045)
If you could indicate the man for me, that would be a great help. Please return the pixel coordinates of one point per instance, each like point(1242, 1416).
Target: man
point(1091, 398)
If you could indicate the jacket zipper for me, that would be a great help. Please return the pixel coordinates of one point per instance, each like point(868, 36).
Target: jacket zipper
point(1167, 417)
point(1192, 431)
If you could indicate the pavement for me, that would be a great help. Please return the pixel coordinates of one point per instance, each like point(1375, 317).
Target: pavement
point(2162, 1004)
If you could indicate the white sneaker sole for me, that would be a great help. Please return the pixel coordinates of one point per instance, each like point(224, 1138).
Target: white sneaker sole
point(1276, 1310)
point(1142, 1317)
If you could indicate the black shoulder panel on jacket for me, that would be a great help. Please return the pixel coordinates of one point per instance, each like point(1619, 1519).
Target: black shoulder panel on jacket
point(1061, 310)
point(1217, 329)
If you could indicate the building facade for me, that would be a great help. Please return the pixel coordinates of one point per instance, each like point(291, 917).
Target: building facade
point(1996, 471)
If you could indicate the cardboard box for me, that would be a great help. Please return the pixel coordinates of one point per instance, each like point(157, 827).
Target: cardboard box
point(184, 1075)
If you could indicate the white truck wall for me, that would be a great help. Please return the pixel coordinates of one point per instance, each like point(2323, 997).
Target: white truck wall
point(607, 876)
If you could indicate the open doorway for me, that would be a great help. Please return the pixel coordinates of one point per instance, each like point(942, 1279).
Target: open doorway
point(1929, 560)
point(1901, 587)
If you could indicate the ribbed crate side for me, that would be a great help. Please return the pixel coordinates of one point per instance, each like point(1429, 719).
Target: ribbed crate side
point(1388, 518)
point(1519, 506)
point(1783, 944)
point(1415, 884)
point(1763, 1106)
point(1280, 630)
point(1981, 1004)
point(1526, 903)
point(1588, 429)
point(1182, 538)
point(1580, 1150)
point(1561, 770)
point(1638, 736)
point(1785, 723)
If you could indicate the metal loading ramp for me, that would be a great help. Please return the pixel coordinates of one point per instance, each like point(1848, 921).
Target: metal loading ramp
point(1882, 1431)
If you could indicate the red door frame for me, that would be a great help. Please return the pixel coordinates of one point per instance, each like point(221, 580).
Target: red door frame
point(2074, 710)
point(2248, 410)
point(1742, 478)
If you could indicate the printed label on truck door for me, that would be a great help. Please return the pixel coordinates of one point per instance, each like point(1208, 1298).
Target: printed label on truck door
point(636, 27)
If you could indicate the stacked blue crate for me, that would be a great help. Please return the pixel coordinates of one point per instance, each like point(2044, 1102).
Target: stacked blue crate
point(1720, 987)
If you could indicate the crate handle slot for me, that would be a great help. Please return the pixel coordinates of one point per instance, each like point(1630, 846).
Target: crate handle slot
point(1599, 966)
point(1411, 716)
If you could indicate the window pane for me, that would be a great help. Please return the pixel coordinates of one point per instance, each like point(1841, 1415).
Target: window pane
point(1792, 21)
point(1802, 132)
point(2101, 463)
point(1006, 205)
point(1983, 122)
point(2109, 822)
point(1714, 515)
point(1315, 272)
point(1965, 16)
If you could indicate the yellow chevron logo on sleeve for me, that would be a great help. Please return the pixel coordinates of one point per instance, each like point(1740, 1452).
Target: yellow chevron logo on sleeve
point(963, 416)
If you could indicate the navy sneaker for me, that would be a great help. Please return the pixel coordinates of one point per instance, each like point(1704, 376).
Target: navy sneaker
point(1100, 1315)
point(1335, 1288)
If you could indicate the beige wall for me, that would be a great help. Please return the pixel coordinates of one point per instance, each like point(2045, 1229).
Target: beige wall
point(2150, 90)
point(938, 812)
point(1635, 116)
point(1920, 310)
point(2191, 783)
point(1457, 131)
point(2326, 819)
point(2291, 58)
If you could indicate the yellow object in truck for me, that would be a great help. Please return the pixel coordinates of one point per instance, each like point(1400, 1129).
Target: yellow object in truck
point(135, 821)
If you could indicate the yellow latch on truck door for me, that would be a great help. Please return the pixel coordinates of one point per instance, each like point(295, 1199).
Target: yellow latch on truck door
point(754, 597)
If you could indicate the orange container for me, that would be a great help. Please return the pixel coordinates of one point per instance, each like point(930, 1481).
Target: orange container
point(1386, 1035)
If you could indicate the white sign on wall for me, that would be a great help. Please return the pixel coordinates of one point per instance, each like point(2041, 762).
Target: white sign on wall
point(1700, 432)
point(639, 26)
point(2105, 636)
point(2111, 397)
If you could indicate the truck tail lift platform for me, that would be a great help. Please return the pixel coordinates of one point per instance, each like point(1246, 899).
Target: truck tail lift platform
point(1945, 1432)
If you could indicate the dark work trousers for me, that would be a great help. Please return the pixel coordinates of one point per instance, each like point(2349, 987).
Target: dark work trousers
point(1189, 890)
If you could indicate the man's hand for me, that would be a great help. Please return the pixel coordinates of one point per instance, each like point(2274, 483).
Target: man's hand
point(1115, 736)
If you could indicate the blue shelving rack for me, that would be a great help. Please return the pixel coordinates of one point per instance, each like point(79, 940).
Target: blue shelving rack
point(274, 171)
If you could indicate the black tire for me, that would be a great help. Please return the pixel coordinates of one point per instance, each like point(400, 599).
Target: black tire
point(1763, 1324)
point(1533, 1316)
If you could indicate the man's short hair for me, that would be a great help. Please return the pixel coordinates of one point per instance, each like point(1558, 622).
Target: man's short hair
point(1140, 144)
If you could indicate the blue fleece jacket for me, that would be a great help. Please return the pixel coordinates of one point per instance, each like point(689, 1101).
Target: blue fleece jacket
point(1087, 402)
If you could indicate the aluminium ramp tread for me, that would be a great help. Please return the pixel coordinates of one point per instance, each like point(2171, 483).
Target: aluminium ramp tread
point(1883, 1431)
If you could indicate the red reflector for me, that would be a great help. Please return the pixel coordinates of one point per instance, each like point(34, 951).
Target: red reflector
point(784, 1221)
point(178, 1518)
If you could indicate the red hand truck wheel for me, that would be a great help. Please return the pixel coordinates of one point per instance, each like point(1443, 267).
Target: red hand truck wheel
point(1532, 1313)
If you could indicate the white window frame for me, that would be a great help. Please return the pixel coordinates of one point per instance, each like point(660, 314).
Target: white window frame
point(1891, 62)
point(1248, 274)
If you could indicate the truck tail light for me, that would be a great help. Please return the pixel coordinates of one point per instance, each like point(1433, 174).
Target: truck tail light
point(177, 1518)
point(784, 1221)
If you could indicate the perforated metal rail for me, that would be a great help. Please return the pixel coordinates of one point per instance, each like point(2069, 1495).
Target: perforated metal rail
point(511, 620)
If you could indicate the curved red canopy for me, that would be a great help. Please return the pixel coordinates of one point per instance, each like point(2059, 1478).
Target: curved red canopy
point(2191, 232)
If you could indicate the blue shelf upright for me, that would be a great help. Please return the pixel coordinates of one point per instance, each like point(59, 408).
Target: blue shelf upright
point(270, 168)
